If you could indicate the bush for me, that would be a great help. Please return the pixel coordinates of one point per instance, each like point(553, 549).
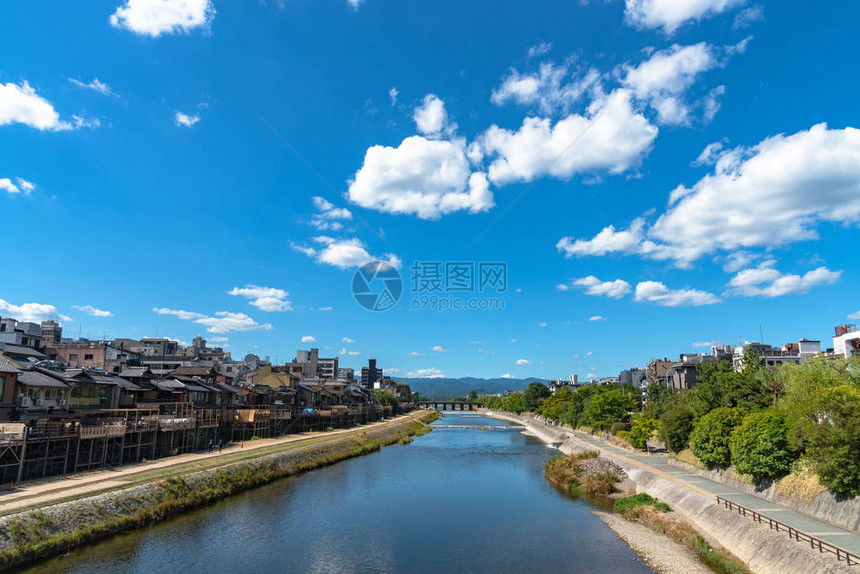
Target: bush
point(618, 427)
point(676, 424)
point(641, 432)
point(623, 506)
point(759, 446)
point(624, 435)
point(710, 439)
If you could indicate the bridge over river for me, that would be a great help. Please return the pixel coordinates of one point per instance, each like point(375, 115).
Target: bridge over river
point(454, 405)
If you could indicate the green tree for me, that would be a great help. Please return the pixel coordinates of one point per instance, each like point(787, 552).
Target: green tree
point(515, 403)
point(534, 396)
point(710, 439)
point(659, 399)
point(676, 424)
point(759, 446)
point(473, 396)
point(556, 404)
point(606, 408)
point(641, 432)
point(386, 398)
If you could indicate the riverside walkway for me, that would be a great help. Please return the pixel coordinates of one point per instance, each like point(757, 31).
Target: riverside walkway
point(659, 464)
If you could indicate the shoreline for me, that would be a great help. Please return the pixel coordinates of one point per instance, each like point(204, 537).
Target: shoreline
point(29, 537)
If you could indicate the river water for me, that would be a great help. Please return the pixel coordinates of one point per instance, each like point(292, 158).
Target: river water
point(468, 497)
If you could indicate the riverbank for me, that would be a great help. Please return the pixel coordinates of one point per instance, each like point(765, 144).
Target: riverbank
point(763, 550)
point(28, 537)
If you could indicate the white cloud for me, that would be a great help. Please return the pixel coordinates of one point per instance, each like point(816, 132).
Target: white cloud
point(414, 354)
point(423, 177)
point(329, 216)
point(748, 16)
point(263, 298)
point(308, 339)
point(344, 253)
point(20, 185)
point(431, 118)
point(597, 318)
point(562, 287)
point(765, 281)
point(507, 376)
point(185, 120)
point(217, 339)
point(854, 316)
point(611, 137)
point(705, 344)
point(325, 309)
point(551, 87)
point(513, 340)
point(658, 294)
point(607, 241)
point(21, 104)
point(431, 373)
point(768, 195)
point(393, 93)
point(34, 312)
point(439, 349)
point(90, 310)
point(344, 351)
point(710, 154)
point(594, 286)
point(222, 322)
point(539, 49)
point(348, 340)
point(156, 17)
point(94, 85)
point(524, 362)
point(671, 14)
point(541, 324)
point(667, 75)
point(355, 4)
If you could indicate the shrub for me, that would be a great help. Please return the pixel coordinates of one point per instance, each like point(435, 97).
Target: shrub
point(710, 439)
point(618, 427)
point(676, 424)
point(624, 506)
point(759, 446)
point(641, 432)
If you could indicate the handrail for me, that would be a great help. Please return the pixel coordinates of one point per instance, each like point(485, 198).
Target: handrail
point(851, 558)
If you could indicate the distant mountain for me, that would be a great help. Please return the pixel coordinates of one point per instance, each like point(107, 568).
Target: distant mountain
point(446, 388)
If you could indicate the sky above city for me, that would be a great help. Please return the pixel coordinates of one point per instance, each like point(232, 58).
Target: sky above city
point(656, 176)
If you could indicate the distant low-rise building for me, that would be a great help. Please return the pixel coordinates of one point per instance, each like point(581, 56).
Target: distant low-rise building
point(846, 341)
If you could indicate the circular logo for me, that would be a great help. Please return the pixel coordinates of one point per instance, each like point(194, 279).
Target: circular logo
point(377, 286)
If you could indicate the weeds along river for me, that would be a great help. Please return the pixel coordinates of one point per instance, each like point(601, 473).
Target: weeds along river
point(468, 497)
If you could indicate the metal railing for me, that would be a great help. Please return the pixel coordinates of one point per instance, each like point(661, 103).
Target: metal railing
point(822, 546)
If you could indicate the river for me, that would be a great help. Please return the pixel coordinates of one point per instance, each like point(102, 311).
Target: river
point(468, 497)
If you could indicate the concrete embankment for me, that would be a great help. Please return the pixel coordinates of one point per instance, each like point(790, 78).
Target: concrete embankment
point(765, 551)
point(823, 506)
point(32, 536)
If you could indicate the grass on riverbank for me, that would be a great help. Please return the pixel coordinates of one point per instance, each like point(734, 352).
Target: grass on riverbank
point(36, 536)
point(644, 509)
point(573, 474)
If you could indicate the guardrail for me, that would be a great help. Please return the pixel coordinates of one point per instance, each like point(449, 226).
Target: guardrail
point(822, 546)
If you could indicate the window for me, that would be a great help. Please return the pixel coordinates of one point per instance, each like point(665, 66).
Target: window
point(73, 357)
point(88, 357)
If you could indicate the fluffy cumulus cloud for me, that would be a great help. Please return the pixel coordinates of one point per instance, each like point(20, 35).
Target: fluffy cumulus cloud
point(156, 17)
point(264, 298)
point(658, 294)
point(94, 85)
point(185, 120)
point(222, 322)
point(35, 312)
point(308, 339)
point(330, 217)
point(90, 310)
point(346, 352)
point(524, 362)
point(431, 373)
point(423, 177)
point(20, 104)
point(439, 349)
point(343, 253)
point(768, 195)
point(594, 286)
point(610, 137)
point(672, 14)
point(766, 281)
point(431, 118)
point(854, 316)
point(18, 186)
point(667, 75)
point(550, 87)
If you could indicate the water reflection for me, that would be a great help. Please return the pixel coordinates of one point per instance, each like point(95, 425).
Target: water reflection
point(458, 499)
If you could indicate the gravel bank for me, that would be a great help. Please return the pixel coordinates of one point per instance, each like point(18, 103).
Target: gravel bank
point(661, 554)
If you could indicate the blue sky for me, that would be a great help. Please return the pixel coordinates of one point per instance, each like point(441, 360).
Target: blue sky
point(655, 174)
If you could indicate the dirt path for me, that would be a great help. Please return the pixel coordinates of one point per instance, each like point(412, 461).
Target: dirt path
point(42, 493)
point(661, 554)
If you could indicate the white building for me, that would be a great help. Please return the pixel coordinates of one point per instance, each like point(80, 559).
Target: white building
point(846, 342)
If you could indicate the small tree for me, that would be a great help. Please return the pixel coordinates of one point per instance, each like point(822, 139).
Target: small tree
point(606, 408)
point(534, 396)
point(676, 424)
point(759, 446)
point(710, 439)
point(473, 396)
point(641, 432)
point(386, 398)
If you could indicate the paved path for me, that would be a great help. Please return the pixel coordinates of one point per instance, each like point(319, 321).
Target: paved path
point(54, 489)
point(835, 535)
